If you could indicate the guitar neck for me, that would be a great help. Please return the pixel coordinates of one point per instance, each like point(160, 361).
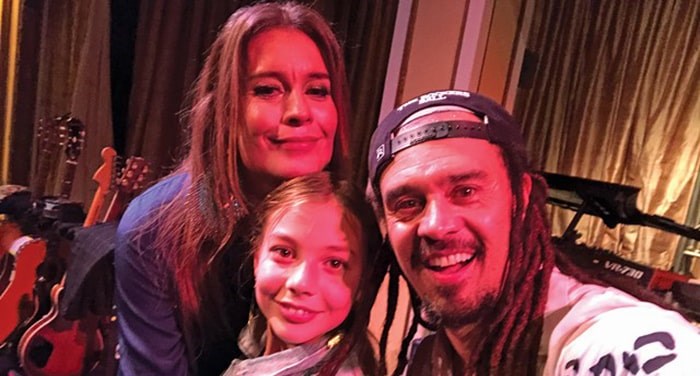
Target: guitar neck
point(115, 207)
point(68, 176)
point(39, 185)
point(95, 206)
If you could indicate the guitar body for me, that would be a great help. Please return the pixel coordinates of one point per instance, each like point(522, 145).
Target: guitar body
point(17, 302)
point(6, 266)
point(54, 346)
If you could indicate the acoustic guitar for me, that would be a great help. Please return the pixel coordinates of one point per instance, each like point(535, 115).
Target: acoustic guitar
point(56, 207)
point(50, 133)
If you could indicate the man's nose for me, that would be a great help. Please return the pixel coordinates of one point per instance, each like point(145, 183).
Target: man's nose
point(296, 110)
point(439, 220)
point(301, 279)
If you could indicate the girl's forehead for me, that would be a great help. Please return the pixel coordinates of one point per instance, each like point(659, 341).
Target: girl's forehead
point(307, 211)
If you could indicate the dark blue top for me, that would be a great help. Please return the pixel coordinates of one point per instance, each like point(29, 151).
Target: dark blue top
point(150, 339)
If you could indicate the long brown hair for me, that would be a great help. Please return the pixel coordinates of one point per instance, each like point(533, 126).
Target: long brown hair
point(321, 187)
point(193, 228)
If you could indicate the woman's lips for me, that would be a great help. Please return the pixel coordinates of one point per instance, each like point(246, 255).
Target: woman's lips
point(295, 143)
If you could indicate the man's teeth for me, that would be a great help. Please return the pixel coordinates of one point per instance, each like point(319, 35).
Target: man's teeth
point(445, 261)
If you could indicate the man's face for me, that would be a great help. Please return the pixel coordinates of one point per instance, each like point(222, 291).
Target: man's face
point(448, 206)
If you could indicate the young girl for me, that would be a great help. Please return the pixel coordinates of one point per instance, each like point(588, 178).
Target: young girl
point(317, 269)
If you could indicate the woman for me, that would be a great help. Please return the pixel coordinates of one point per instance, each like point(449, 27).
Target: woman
point(269, 105)
point(317, 270)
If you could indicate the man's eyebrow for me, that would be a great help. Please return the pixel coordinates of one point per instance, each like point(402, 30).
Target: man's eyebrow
point(471, 175)
point(395, 193)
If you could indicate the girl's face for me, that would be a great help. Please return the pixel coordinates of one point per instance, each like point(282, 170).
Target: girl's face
point(290, 116)
point(307, 270)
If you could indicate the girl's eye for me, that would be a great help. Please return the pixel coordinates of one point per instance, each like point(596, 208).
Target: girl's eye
point(319, 91)
point(282, 252)
point(337, 264)
point(265, 90)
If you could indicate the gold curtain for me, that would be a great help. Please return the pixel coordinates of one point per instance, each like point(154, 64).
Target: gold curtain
point(9, 28)
point(74, 77)
point(616, 97)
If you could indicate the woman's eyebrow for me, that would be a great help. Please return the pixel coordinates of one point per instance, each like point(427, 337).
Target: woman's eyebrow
point(316, 75)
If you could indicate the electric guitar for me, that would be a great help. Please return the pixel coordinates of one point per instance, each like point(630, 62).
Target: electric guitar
point(103, 177)
point(56, 346)
point(130, 181)
point(18, 303)
point(26, 295)
point(10, 230)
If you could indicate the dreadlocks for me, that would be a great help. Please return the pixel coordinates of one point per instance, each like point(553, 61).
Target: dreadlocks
point(515, 332)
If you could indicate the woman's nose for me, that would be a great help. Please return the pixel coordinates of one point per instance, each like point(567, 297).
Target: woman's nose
point(296, 111)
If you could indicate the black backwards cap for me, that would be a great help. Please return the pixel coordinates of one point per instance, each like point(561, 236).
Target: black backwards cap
point(497, 126)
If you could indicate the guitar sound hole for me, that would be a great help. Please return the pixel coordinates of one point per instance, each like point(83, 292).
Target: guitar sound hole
point(40, 352)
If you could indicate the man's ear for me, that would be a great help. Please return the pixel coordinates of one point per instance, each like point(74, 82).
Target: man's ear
point(376, 203)
point(381, 221)
point(526, 189)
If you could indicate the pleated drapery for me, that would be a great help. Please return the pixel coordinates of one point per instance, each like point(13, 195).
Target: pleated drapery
point(616, 97)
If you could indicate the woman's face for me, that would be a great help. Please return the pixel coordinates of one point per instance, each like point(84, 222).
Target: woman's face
point(290, 116)
point(307, 269)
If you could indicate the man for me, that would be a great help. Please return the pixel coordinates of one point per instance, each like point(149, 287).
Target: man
point(465, 216)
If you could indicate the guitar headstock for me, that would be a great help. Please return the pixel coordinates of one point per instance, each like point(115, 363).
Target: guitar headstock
point(51, 133)
point(133, 175)
point(75, 137)
point(103, 174)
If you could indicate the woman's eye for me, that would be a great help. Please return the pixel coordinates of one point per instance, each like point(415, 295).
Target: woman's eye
point(319, 91)
point(265, 90)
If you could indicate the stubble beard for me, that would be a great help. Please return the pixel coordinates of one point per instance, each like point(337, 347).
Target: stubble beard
point(444, 308)
point(443, 305)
